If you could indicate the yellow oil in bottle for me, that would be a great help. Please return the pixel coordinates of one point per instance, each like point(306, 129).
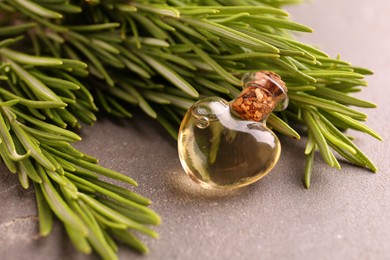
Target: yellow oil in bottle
point(219, 150)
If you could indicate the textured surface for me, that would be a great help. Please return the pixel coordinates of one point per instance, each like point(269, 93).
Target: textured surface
point(345, 215)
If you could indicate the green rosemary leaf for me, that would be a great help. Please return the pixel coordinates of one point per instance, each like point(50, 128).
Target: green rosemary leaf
point(39, 89)
point(143, 104)
point(7, 159)
point(37, 17)
point(333, 139)
point(126, 8)
point(174, 100)
point(170, 75)
point(9, 103)
point(48, 127)
point(249, 55)
point(187, 30)
point(93, 59)
point(26, 166)
point(178, 60)
point(161, 23)
point(16, 29)
point(59, 207)
point(153, 29)
point(197, 11)
point(29, 59)
point(211, 85)
point(6, 7)
point(44, 213)
point(32, 103)
point(117, 92)
point(103, 101)
point(58, 167)
point(318, 136)
point(84, 92)
point(93, 167)
point(106, 222)
point(253, 10)
point(350, 157)
point(95, 235)
point(327, 105)
point(68, 117)
point(112, 214)
point(356, 125)
point(282, 127)
point(180, 70)
point(130, 240)
point(298, 74)
point(89, 158)
point(309, 166)
point(93, 27)
point(78, 240)
point(222, 19)
point(105, 46)
point(168, 127)
point(276, 22)
point(119, 108)
point(56, 178)
point(38, 9)
point(83, 113)
point(326, 74)
point(110, 241)
point(44, 134)
point(132, 57)
point(233, 91)
point(359, 156)
point(30, 144)
point(63, 163)
point(292, 43)
point(23, 179)
point(234, 36)
point(160, 100)
point(343, 98)
point(138, 216)
point(64, 8)
point(363, 71)
point(54, 82)
point(135, 68)
point(117, 197)
point(310, 144)
point(8, 143)
point(301, 88)
point(73, 64)
point(158, 9)
point(123, 192)
point(333, 61)
point(214, 65)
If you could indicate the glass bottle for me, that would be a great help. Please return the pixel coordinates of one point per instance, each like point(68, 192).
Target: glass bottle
point(227, 145)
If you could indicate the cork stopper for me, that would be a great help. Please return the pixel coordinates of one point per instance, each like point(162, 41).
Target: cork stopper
point(264, 91)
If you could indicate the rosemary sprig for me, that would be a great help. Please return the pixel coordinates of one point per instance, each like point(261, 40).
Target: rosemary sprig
point(160, 56)
point(38, 100)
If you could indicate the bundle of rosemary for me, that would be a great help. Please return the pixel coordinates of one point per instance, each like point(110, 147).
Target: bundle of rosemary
point(57, 57)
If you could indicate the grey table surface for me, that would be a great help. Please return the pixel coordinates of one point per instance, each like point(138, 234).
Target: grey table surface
point(345, 215)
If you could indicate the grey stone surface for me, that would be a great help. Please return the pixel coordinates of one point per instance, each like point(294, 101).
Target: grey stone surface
point(345, 215)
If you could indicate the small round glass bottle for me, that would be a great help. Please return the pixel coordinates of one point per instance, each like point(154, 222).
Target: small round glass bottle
point(227, 145)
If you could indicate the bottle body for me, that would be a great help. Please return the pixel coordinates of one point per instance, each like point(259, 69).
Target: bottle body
point(220, 150)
